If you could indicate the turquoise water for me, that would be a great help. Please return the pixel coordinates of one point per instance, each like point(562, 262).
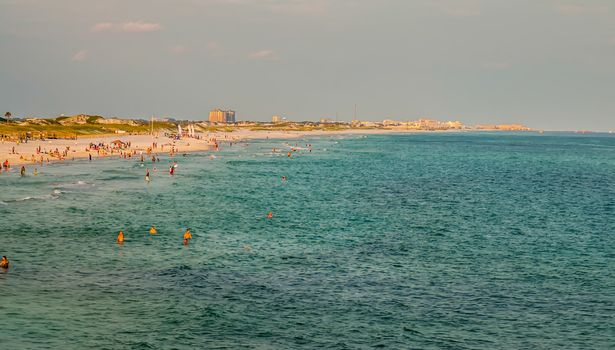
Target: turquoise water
point(427, 241)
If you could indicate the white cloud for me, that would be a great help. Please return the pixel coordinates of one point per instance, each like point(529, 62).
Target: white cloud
point(127, 27)
point(264, 55)
point(179, 50)
point(214, 48)
point(570, 9)
point(80, 56)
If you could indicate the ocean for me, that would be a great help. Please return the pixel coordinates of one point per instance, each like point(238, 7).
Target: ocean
point(410, 241)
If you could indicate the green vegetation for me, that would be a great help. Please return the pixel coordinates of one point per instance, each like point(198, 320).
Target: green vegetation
point(217, 128)
point(49, 128)
point(92, 119)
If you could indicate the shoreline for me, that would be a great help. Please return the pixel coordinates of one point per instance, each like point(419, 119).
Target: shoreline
point(78, 148)
point(26, 152)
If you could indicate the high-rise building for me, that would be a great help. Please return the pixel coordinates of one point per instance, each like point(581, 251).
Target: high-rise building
point(220, 116)
point(276, 119)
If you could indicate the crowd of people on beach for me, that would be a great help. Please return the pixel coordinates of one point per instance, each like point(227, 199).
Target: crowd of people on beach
point(122, 149)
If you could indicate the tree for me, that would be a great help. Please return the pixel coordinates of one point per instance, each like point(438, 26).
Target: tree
point(7, 115)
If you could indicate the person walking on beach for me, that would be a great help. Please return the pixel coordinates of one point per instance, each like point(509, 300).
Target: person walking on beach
point(4, 263)
point(187, 236)
point(120, 237)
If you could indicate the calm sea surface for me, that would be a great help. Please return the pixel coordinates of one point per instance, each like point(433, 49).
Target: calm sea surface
point(426, 241)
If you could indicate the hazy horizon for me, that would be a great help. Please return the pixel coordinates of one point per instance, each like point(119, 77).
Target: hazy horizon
point(547, 64)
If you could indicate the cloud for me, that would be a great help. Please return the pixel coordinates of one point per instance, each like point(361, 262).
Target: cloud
point(80, 56)
point(578, 9)
point(263, 55)
point(179, 50)
point(127, 27)
point(214, 48)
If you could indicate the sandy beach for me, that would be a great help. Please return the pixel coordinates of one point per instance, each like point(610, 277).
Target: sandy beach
point(38, 151)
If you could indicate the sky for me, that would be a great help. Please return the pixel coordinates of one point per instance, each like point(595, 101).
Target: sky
point(549, 64)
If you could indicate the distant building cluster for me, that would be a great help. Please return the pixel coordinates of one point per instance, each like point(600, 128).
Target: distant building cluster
point(505, 127)
point(221, 116)
point(276, 119)
point(424, 124)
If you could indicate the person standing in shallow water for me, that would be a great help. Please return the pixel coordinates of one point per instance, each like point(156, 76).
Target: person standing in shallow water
point(187, 236)
point(23, 171)
point(4, 263)
point(120, 237)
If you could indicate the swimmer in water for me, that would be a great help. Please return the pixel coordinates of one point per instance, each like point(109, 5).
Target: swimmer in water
point(4, 263)
point(120, 237)
point(284, 178)
point(187, 236)
point(153, 231)
point(270, 215)
point(147, 176)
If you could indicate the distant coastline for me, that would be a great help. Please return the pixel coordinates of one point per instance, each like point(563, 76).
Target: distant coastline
point(77, 126)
